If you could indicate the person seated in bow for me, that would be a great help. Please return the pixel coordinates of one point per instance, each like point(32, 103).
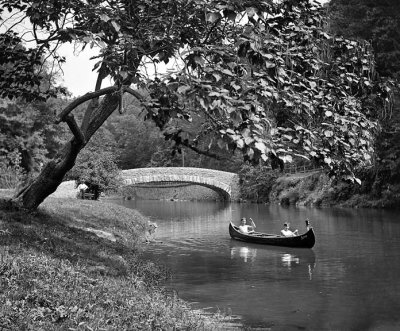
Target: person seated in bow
point(244, 228)
point(286, 232)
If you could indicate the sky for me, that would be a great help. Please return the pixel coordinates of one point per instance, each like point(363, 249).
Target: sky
point(77, 74)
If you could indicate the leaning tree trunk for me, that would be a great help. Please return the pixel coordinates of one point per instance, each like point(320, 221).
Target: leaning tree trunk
point(38, 189)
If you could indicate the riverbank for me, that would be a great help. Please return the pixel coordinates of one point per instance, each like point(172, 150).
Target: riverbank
point(319, 190)
point(76, 265)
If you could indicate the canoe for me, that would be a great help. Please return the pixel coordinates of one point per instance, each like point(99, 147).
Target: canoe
point(306, 240)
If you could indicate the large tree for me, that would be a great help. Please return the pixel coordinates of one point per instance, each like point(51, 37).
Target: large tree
point(266, 77)
point(378, 22)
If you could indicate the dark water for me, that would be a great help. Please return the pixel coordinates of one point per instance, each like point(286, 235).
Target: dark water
point(350, 280)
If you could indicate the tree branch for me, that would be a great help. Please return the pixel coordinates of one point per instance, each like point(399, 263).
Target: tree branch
point(211, 29)
point(82, 99)
point(75, 129)
point(95, 101)
point(202, 152)
point(136, 94)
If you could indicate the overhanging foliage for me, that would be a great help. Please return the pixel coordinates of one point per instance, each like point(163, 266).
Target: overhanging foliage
point(265, 76)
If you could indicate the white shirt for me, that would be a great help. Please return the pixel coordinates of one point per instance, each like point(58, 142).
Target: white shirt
point(83, 187)
point(245, 228)
point(287, 233)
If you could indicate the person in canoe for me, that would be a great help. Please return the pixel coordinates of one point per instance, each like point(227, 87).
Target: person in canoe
point(244, 228)
point(286, 232)
point(308, 224)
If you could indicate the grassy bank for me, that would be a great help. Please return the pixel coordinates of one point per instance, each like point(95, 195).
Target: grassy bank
point(317, 189)
point(76, 265)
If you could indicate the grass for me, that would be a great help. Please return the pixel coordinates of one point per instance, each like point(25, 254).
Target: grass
point(76, 265)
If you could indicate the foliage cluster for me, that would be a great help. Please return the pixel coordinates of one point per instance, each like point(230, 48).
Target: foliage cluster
point(21, 69)
point(376, 21)
point(373, 20)
point(296, 92)
point(28, 135)
point(139, 144)
point(97, 167)
point(11, 172)
point(263, 78)
point(256, 182)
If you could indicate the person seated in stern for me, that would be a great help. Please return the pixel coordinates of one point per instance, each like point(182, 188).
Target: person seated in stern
point(244, 228)
point(286, 232)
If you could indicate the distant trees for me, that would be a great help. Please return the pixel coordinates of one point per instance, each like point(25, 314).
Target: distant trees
point(256, 182)
point(98, 169)
point(28, 136)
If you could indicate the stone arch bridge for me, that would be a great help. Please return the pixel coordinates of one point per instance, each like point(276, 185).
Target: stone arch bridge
point(225, 183)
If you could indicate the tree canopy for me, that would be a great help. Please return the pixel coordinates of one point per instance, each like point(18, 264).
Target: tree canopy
point(265, 77)
point(378, 22)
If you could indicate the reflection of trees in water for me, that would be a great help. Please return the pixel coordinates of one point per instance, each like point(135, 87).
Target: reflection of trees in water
point(165, 209)
point(332, 271)
point(198, 225)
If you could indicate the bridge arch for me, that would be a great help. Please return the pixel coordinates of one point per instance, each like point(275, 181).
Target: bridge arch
point(225, 183)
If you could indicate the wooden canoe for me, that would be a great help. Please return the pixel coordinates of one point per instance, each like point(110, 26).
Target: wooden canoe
point(306, 240)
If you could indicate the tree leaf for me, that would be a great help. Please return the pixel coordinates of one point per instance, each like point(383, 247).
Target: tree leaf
point(251, 11)
point(240, 143)
point(116, 26)
point(183, 89)
point(230, 14)
point(261, 147)
point(104, 17)
point(213, 17)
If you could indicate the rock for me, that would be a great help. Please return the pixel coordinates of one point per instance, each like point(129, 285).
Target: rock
point(102, 234)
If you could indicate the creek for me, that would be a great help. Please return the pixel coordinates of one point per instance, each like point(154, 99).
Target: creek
point(348, 281)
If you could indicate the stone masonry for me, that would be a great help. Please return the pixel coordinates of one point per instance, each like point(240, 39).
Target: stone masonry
point(225, 183)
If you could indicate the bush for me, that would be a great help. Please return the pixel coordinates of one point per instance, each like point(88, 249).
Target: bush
point(11, 173)
point(98, 170)
point(256, 182)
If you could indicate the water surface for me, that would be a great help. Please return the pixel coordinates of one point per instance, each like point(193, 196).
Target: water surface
point(348, 281)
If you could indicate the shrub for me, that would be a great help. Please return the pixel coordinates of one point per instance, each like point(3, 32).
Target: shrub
point(256, 182)
point(11, 173)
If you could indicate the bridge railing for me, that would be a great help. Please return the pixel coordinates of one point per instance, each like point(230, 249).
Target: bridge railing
point(305, 168)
